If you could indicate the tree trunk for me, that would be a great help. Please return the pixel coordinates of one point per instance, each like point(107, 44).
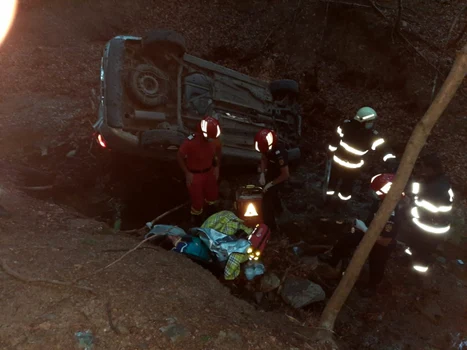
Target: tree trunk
point(412, 150)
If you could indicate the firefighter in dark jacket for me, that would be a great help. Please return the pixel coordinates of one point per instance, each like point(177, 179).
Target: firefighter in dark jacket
point(348, 149)
point(274, 170)
point(430, 213)
point(199, 158)
point(379, 255)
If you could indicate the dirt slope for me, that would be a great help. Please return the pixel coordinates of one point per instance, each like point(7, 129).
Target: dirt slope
point(44, 240)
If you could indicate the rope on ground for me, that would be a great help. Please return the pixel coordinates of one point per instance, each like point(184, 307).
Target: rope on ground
point(119, 259)
point(20, 277)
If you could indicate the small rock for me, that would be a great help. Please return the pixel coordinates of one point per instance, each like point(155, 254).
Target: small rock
point(298, 292)
point(269, 282)
point(71, 154)
point(45, 326)
point(175, 331)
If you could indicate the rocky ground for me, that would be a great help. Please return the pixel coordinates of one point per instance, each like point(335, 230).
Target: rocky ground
point(344, 54)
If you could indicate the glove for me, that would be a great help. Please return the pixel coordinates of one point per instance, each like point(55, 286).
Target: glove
point(360, 225)
point(268, 186)
point(262, 179)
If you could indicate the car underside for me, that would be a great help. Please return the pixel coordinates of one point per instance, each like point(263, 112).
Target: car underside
point(153, 95)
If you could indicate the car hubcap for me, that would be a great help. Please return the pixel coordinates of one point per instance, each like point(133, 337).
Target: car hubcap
point(148, 84)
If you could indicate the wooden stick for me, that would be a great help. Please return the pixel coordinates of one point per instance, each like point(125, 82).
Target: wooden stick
point(16, 275)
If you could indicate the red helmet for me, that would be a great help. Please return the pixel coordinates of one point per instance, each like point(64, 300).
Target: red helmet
point(381, 184)
point(210, 128)
point(265, 140)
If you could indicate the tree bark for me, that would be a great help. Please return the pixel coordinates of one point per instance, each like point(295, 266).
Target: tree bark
point(412, 150)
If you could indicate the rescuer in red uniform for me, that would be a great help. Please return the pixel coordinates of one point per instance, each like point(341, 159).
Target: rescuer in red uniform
point(199, 158)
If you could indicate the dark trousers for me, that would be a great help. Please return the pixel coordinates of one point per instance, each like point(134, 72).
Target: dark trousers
point(378, 258)
point(272, 206)
point(421, 243)
point(348, 177)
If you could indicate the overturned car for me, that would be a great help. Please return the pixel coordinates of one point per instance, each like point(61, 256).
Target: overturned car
point(153, 95)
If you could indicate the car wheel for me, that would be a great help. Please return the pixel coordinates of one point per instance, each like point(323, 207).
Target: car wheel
point(148, 85)
point(284, 88)
point(158, 42)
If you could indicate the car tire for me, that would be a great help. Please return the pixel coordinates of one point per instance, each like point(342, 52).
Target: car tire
point(284, 88)
point(148, 85)
point(157, 42)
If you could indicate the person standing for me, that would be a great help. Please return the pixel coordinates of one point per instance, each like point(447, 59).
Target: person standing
point(430, 213)
point(274, 170)
point(199, 158)
point(347, 153)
